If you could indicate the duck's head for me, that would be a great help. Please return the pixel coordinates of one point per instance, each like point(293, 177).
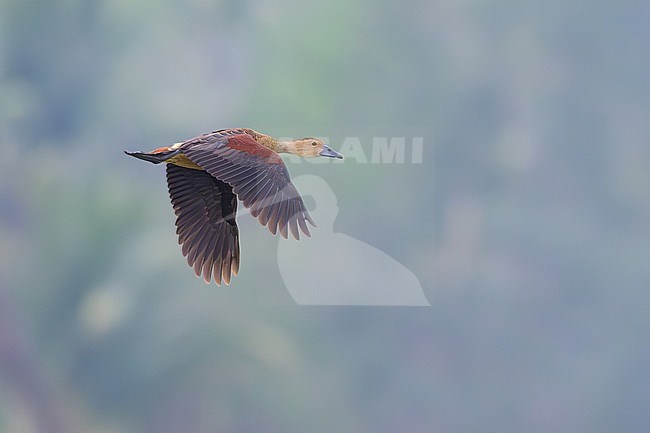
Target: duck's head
point(311, 148)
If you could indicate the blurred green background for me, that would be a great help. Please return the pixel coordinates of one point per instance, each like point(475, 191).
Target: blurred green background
point(528, 222)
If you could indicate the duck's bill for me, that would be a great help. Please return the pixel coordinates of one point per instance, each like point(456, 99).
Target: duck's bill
point(330, 153)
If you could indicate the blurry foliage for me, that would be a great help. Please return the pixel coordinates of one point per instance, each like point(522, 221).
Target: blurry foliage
point(528, 223)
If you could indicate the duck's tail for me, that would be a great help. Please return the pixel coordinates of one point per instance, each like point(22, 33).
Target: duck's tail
point(157, 156)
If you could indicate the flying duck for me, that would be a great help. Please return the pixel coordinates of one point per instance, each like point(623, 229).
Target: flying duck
point(207, 174)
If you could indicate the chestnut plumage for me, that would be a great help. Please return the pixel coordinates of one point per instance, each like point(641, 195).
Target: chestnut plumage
point(206, 177)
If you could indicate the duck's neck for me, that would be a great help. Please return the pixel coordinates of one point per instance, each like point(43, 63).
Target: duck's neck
point(277, 146)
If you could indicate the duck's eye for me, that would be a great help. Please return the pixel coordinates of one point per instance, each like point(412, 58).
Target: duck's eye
point(313, 143)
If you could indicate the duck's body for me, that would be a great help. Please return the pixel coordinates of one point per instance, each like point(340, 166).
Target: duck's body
point(208, 174)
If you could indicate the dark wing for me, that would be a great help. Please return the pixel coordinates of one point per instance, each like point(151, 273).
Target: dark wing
point(258, 177)
point(205, 209)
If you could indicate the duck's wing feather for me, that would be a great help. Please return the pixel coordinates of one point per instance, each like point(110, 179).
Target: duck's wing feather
point(205, 210)
point(257, 175)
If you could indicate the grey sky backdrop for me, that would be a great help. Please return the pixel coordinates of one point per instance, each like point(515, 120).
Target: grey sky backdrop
point(527, 222)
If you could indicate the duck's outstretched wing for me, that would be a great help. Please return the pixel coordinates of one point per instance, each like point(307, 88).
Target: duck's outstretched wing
point(205, 208)
point(257, 175)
